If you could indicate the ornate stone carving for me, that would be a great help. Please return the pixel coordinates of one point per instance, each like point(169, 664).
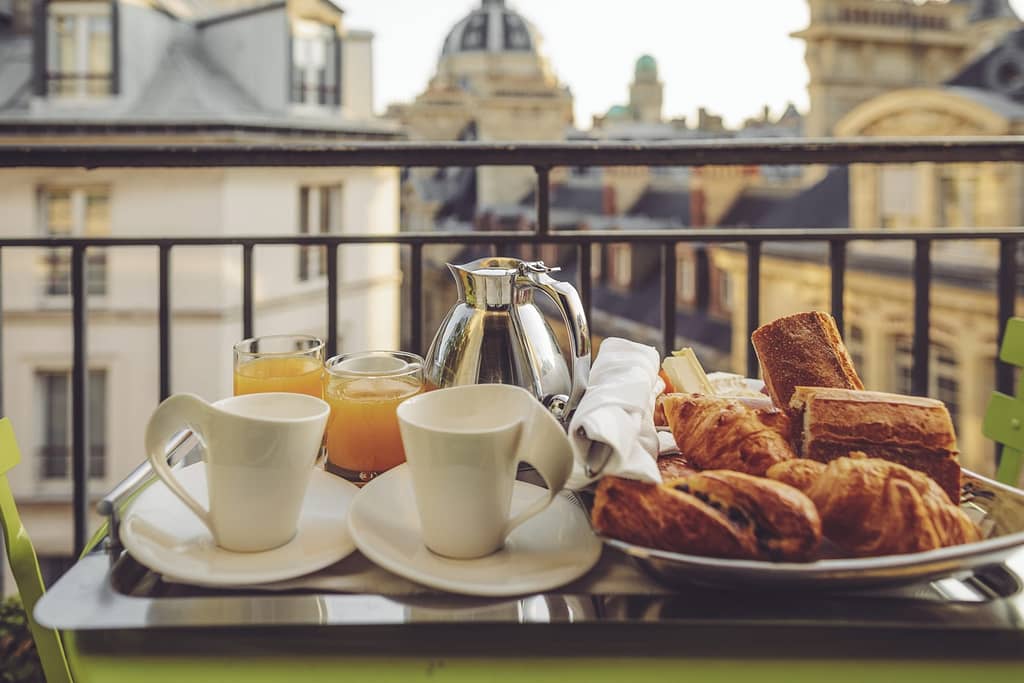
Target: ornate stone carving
point(922, 122)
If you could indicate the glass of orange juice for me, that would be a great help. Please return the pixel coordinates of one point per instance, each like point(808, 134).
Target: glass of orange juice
point(280, 362)
point(364, 389)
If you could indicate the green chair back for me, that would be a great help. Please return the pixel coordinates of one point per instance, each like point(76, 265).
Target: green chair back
point(25, 565)
point(1004, 419)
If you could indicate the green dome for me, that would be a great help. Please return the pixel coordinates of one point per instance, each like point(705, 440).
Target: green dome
point(619, 111)
point(646, 65)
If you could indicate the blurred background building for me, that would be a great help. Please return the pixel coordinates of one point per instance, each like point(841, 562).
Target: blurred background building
point(176, 72)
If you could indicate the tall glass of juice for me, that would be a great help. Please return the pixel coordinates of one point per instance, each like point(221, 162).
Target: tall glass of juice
point(364, 389)
point(280, 362)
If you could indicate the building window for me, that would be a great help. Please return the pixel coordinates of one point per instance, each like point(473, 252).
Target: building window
point(855, 345)
point(596, 262)
point(686, 276)
point(620, 265)
point(79, 49)
point(74, 212)
point(316, 77)
point(943, 383)
point(319, 213)
point(897, 197)
point(957, 196)
point(946, 384)
point(726, 295)
point(53, 389)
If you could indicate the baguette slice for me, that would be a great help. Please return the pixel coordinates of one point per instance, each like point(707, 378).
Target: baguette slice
point(911, 431)
point(803, 349)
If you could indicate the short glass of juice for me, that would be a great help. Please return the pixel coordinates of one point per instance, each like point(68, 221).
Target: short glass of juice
point(279, 362)
point(364, 390)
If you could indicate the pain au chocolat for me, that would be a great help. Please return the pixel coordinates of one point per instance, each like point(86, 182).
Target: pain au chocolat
point(871, 507)
point(803, 349)
point(908, 430)
point(717, 513)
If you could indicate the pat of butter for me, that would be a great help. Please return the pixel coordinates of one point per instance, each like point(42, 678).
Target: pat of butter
point(685, 373)
point(726, 383)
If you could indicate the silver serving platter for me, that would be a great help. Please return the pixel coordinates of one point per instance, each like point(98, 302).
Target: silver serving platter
point(997, 509)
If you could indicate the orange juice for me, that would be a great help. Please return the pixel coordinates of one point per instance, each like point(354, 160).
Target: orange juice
point(362, 434)
point(301, 375)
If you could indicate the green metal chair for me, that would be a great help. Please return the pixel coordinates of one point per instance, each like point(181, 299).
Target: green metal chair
point(24, 564)
point(1004, 419)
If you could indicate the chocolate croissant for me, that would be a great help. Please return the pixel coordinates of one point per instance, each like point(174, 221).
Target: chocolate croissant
point(715, 513)
point(720, 433)
point(870, 506)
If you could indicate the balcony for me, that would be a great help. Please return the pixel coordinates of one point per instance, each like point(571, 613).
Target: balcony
point(833, 248)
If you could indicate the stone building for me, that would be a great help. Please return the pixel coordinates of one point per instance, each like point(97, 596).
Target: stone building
point(191, 73)
point(859, 49)
point(982, 98)
point(492, 83)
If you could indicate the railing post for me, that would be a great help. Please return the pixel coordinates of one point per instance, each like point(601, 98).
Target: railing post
point(837, 269)
point(79, 400)
point(332, 299)
point(1006, 284)
point(668, 297)
point(922, 316)
point(543, 199)
point(416, 297)
point(247, 305)
point(164, 320)
point(586, 280)
point(753, 302)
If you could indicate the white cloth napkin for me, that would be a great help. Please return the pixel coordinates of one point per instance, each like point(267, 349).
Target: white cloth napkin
point(617, 413)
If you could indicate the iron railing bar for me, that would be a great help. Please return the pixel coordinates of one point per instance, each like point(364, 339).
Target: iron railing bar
point(837, 270)
point(164, 319)
point(753, 302)
point(1006, 284)
point(79, 400)
point(922, 317)
point(416, 296)
point(247, 303)
point(332, 300)
point(668, 298)
point(391, 153)
point(585, 283)
point(573, 237)
point(543, 200)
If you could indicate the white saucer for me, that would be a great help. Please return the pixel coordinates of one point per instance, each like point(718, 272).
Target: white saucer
point(546, 552)
point(164, 535)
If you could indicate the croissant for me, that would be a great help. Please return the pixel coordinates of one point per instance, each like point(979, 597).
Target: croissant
point(715, 513)
point(870, 506)
point(719, 433)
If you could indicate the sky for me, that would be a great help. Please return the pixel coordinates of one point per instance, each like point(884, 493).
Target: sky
point(731, 56)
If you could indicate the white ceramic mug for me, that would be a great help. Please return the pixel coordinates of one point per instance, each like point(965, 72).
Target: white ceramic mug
point(463, 445)
point(259, 451)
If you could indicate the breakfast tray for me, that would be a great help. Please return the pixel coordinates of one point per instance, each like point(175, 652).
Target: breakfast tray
point(108, 589)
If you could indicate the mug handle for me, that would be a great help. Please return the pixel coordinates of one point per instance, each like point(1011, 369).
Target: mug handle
point(177, 411)
point(553, 461)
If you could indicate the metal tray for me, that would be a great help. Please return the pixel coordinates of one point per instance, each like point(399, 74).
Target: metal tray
point(996, 508)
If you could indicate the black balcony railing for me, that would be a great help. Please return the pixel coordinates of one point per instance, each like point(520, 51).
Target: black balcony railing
point(542, 157)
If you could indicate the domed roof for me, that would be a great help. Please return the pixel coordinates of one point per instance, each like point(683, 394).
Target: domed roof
point(492, 27)
point(619, 111)
point(646, 65)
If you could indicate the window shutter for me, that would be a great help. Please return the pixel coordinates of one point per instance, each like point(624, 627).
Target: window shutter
point(337, 70)
point(115, 41)
point(39, 31)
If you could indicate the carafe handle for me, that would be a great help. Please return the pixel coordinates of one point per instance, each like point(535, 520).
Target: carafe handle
point(568, 301)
